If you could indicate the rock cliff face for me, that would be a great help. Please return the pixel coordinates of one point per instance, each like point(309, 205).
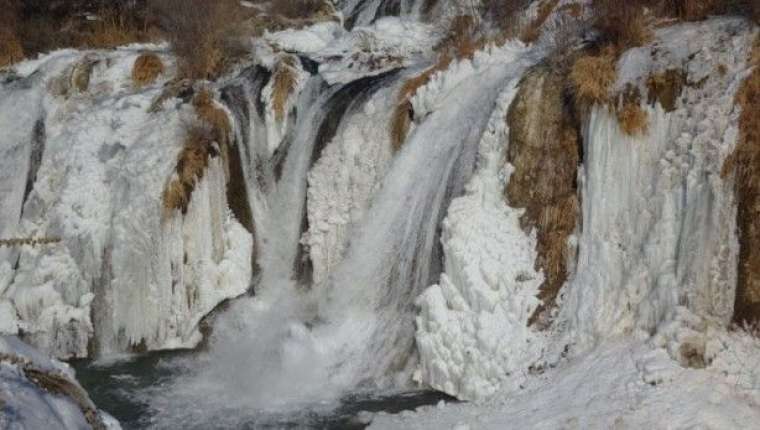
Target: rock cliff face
point(545, 150)
point(743, 166)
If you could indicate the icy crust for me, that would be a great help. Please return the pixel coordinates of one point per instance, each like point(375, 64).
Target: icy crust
point(659, 224)
point(104, 161)
point(622, 385)
point(472, 331)
point(346, 56)
point(343, 181)
point(386, 44)
point(29, 404)
point(434, 95)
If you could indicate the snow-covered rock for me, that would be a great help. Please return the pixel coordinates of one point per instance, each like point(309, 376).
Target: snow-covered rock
point(39, 393)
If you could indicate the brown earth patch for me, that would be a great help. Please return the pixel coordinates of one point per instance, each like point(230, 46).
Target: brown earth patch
point(745, 165)
point(544, 148)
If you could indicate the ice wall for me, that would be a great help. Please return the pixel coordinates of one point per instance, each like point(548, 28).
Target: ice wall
point(657, 245)
point(658, 238)
point(125, 276)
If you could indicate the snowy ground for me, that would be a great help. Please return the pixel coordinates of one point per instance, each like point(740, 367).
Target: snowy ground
point(622, 385)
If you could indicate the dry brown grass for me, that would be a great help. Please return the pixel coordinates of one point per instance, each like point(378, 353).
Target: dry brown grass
point(574, 10)
point(666, 87)
point(284, 82)
point(45, 26)
point(209, 137)
point(297, 9)
point(544, 147)
point(502, 13)
point(196, 30)
point(146, 69)
point(592, 76)
point(691, 10)
point(400, 121)
point(745, 163)
point(532, 30)
point(11, 50)
point(622, 24)
point(462, 38)
point(113, 29)
point(633, 119)
point(192, 163)
point(209, 113)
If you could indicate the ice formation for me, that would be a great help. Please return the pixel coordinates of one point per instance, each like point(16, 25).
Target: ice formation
point(92, 162)
point(371, 268)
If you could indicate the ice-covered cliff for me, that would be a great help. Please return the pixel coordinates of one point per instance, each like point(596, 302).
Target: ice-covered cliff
point(400, 218)
point(87, 162)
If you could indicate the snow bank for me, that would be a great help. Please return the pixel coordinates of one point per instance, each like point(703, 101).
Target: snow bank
point(623, 385)
point(386, 44)
point(28, 403)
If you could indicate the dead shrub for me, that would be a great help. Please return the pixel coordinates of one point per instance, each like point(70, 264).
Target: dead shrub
point(112, 28)
point(744, 164)
point(666, 87)
point(192, 163)
point(622, 24)
point(532, 30)
point(11, 50)
point(574, 10)
point(462, 38)
point(297, 9)
point(692, 10)
point(196, 30)
point(400, 121)
point(47, 25)
point(215, 117)
point(592, 76)
point(207, 138)
point(502, 13)
point(146, 69)
point(285, 80)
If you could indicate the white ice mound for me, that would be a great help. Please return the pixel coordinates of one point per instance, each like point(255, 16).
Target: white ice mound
point(472, 330)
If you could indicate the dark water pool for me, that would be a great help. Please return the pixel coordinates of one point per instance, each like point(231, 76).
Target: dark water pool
point(113, 387)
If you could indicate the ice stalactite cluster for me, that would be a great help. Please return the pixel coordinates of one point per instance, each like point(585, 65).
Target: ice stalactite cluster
point(657, 244)
point(472, 331)
point(658, 240)
point(94, 161)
